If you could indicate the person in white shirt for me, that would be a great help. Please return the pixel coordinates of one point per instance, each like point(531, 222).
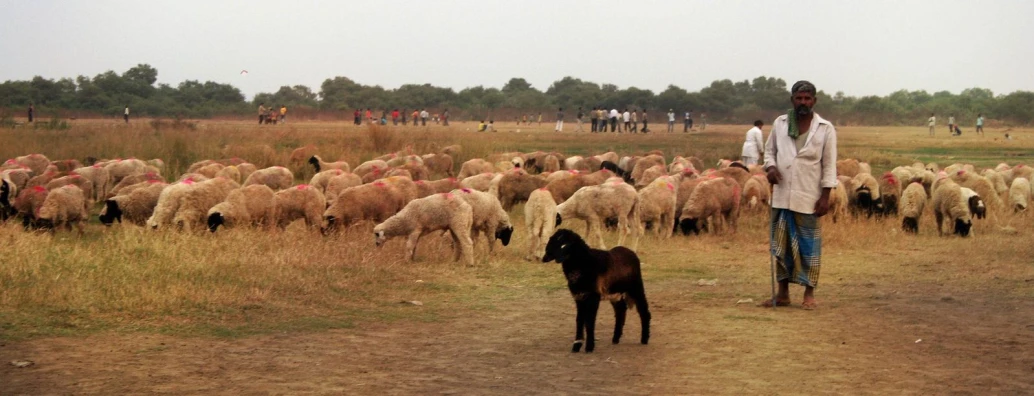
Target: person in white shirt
point(613, 120)
point(951, 124)
point(423, 117)
point(800, 161)
point(931, 123)
point(627, 117)
point(752, 145)
point(559, 120)
point(671, 120)
point(125, 114)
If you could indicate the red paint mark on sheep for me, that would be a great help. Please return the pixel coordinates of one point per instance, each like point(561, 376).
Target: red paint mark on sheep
point(465, 190)
point(39, 189)
point(303, 186)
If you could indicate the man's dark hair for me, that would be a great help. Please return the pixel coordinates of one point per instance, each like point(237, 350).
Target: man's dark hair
point(759, 123)
point(802, 86)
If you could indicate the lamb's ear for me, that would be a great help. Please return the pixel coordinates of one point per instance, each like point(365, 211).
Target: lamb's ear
point(558, 220)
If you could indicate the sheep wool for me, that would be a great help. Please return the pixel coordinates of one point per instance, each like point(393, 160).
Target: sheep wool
point(433, 213)
point(838, 202)
point(1019, 194)
point(594, 204)
point(299, 202)
point(230, 172)
point(717, 199)
point(275, 177)
point(375, 201)
point(756, 192)
point(199, 199)
point(480, 182)
point(339, 183)
point(97, 175)
point(489, 217)
point(440, 164)
point(319, 165)
point(37, 163)
point(949, 204)
point(64, 206)
point(540, 218)
point(134, 179)
point(370, 166)
point(516, 186)
point(83, 183)
point(321, 179)
point(645, 163)
point(474, 167)
point(848, 167)
point(252, 205)
point(911, 205)
point(657, 206)
point(135, 203)
point(427, 188)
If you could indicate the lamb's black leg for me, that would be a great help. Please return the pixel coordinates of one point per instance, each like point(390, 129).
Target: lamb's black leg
point(579, 321)
point(592, 305)
point(644, 317)
point(620, 309)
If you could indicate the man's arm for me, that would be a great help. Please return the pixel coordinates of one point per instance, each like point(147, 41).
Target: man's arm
point(829, 160)
point(771, 151)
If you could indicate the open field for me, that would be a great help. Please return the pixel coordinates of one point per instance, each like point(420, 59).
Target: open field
point(124, 310)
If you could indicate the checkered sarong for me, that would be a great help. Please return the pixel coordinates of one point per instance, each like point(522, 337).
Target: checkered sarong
point(796, 239)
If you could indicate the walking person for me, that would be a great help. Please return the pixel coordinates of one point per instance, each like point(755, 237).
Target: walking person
point(980, 123)
point(283, 114)
point(690, 116)
point(355, 117)
point(424, 115)
point(671, 121)
point(395, 117)
point(540, 119)
point(261, 113)
point(951, 124)
point(635, 121)
point(931, 123)
point(800, 196)
point(703, 121)
point(445, 117)
point(125, 114)
point(559, 120)
point(627, 118)
point(594, 118)
point(752, 145)
point(416, 117)
point(32, 111)
point(579, 120)
point(369, 116)
point(645, 129)
point(685, 122)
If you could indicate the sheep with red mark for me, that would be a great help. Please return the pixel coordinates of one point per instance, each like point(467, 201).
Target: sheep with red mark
point(64, 206)
point(610, 200)
point(370, 166)
point(425, 188)
point(83, 183)
point(199, 199)
point(376, 201)
point(37, 163)
point(135, 203)
point(489, 217)
point(717, 200)
point(321, 179)
point(27, 204)
point(593, 275)
point(890, 193)
point(230, 172)
point(299, 202)
point(516, 187)
point(319, 165)
point(168, 203)
point(248, 206)
point(439, 212)
point(119, 169)
point(19, 176)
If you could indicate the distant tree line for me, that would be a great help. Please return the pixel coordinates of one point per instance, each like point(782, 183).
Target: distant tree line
point(722, 101)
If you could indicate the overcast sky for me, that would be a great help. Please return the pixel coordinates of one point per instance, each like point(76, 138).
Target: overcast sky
point(859, 47)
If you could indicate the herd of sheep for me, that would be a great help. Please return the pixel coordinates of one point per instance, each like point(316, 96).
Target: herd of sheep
point(409, 195)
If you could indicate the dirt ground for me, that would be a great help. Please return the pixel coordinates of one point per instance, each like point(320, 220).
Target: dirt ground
point(865, 339)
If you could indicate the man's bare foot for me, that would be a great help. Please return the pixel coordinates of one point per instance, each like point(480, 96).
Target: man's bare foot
point(779, 302)
point(809, 303)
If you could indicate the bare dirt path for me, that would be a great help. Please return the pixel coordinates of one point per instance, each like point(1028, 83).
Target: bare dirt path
point(863, 340)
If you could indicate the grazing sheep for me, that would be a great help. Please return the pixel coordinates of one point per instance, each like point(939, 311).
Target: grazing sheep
point(28, 203)
point(44, 178)
point(1019, 194)
point(416, 171)
point(377, 174)
point(209, 170)
point(339, 183)
point(67, 165)
point(686, 188)
point(863, 167)
point(119, 169)
point(838, 202)
point(649, 175)
point(890, 192)
point(848, 167)
point(321, 179)
point(246, 169)
point(135, 179)
point(657, 206)
point(913, 201)
point(252, 205)
point(737, 173)
point(717, 199)
point(370, 166)
point(64, 206)
point(589, 164)
point(474, 167)
point(593, 275)
point(375, 201)
point(949, 204)
point(425, 188)
point(318, 164)
point(198, 199)
point(275, 177)
point(564, 188)
point(1017, 171)
point(440, 164)
point(302, 154)
point(421, 216)
point(547, 164)
point(996, 180)
point(756, 192)
point(645, 163)
point(37, 163)
point(480, 182)
point(594, 204)
point(516, 187)
point(489, 217)
point(451, 150)
point(540, 218)
point(17, 176)
point(136, 203)
point(230, 172)
point(299, 202)
point(8, 192)
point(865, 194)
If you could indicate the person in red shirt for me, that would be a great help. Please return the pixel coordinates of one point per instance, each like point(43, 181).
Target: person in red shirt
point(357, 114)
point(416, 116)
point(369, 115)
point(395, 117)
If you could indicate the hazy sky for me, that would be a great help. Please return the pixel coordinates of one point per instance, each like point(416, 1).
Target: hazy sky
point(859, 47)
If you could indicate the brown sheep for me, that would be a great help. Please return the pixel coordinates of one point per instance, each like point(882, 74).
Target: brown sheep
point(276, 177)
point(645, 163)
point(516, 187)
point(848, 167)
point(474, 167)
point(717, 199)
point(370, 166)
point(64, 206)
point(299, 202)
point(131, 180)
point(440, 164)
point(426, 188)
point(302, 154)
point(376, 201)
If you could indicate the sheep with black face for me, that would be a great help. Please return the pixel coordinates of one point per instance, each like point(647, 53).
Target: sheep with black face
point(593, 275)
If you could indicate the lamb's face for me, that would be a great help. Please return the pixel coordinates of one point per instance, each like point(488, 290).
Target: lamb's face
point(215, 220)
point(689, 225)
point(976, 207)
point(111, 213)
point(379, 238)
point(910, 224)
point(962, 227)
point(558, 247)
point(503, 234)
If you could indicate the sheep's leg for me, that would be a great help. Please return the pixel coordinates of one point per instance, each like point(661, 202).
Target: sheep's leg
point(595, 230)
point(592, 306)
point(579, 324)
point(411, 242)
point(533, 240)
point(939, 217)
point(643, 308)
point(490, 237)
point(620, 309)
point(622, 229)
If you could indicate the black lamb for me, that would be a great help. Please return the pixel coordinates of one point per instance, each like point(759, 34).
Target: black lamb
point(594, 274)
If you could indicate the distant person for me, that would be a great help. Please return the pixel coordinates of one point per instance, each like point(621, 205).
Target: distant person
point(482, 126)
point(613, 120)
point(369, 116)
point(436, 119)
point(402, 115)
point(416, 117)
point(703, 121)
point(445, 117)
point(395, 117)
point(384, 117)
point(540, 119)
point(424, 115)
point(635, 121)
point(283, 114)
point(753, 145)
point(594, 118)
point(32, 111)
point(125, 114)
point(525, 118)
point(645, 121)
point(559, 120)
point(261, 113)
point(627, 118)
point(689, 114)
point(951, 124)
point(357, 117)
point(671, 120)
point(931, 123)
point(686, 122)
point(578, 118)
point(980, 123)
point(491, 125)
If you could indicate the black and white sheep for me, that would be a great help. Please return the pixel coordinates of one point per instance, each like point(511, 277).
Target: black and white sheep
point(251, 205)
point(949, 204)
point(593, 275)
point(911, 205)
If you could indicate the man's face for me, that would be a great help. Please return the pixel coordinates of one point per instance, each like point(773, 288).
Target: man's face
point(803, 102)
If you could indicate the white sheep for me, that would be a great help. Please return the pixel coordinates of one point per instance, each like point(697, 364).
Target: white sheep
point(99, 176)
point(299, 202)
point(911, 205)
point(135, 203)
point(594, 204)
point(1019, 194)
point(276, 177)
point(657, 206)
point(489, 217)
point(948, 204)
point(251, 205)
point(421, 216)
point(540, 218)
point(474, 167)
point(198, 199)
point(168, 203)
point(716, 200)
point(64, 206)
point(320, 166)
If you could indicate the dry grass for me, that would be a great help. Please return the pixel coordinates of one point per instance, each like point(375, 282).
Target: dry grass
point(244, 282)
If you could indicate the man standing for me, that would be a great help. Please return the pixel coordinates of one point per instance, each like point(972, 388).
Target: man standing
point(613, 120)
point(685, 122)
point(931, 123)
point(951, 124)
point(395, 117)
point(423, 117)
point(445, 117)
point(32, 111)
point(579, 119)
point(125, 114)
point(262, 112)
point(671, 120)
point(283, 114)
point(800, 161)
point(752, 145)
point(594, 117)
point(635, 121)
point(356, 117)
point(645, 130)
point(980, 123)
point(559, 120)
point(627, 118)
